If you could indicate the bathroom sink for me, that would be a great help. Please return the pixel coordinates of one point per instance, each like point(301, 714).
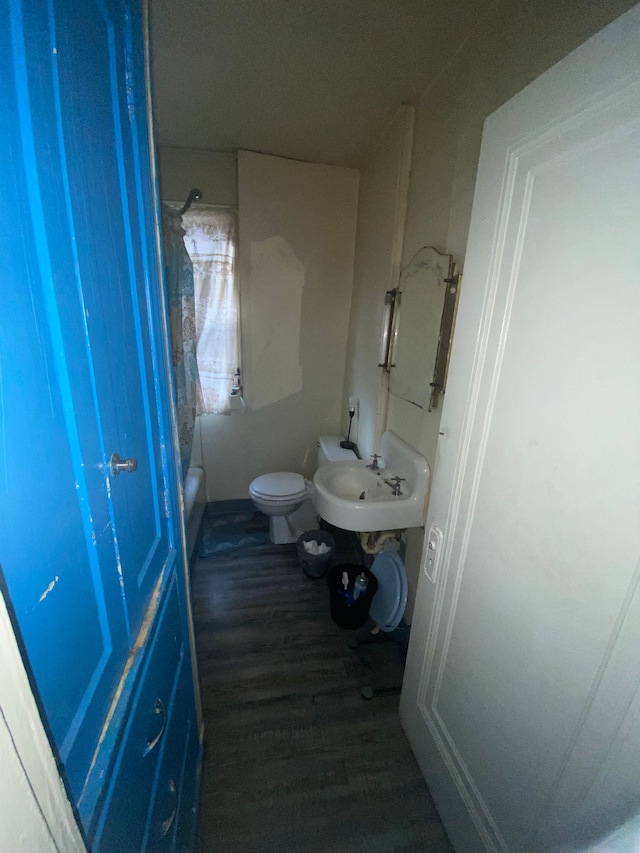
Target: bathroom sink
point(352, 481)
point(352, 496)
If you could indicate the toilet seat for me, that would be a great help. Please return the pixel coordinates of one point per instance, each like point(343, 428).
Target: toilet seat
point(282, 496)
point(389, 602)
point(279, 486)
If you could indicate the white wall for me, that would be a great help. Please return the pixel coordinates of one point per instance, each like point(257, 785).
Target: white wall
point(538, 728)
point(514, 46)
point(516, 43)
point(35, 813)
point(381, 212)
point(297, 232)
point(213, 172)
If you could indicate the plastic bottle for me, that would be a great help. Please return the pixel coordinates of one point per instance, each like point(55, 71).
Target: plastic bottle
point(360, 585)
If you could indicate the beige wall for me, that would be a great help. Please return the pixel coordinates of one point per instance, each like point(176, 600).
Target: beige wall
point(381, 211)
point(297, 232)
point(517, 43)
point(212, 172)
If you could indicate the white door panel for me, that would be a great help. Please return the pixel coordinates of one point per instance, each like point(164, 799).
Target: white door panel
point(525, 655)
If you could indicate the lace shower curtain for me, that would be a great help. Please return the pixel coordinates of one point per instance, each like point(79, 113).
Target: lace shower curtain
point(210, 240)
point(182, 328)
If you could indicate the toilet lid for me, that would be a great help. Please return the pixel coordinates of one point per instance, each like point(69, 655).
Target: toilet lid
point(389, 602)
point(279, 485)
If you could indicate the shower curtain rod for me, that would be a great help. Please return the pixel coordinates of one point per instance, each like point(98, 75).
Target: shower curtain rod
point(194, 195)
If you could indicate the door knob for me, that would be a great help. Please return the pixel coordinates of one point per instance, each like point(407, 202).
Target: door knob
point(116, 464)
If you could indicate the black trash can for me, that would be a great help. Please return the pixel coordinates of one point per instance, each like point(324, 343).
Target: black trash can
point(346, 612)
point(315, 565)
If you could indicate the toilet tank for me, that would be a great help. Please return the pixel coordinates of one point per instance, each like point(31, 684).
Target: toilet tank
point(329, 450)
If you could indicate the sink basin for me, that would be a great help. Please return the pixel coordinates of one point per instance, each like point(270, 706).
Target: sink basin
point(353, 481)
point(351, 496)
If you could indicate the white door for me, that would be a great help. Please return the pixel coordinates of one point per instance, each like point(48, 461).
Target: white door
point(522, 687)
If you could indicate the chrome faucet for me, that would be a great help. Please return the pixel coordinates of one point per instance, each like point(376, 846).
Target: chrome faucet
point(374, 465)
point(395, 485)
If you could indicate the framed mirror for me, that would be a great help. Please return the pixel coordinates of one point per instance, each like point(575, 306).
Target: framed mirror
point(445, 339)
point(420, 341)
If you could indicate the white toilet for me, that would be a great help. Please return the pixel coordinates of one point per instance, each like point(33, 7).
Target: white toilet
point(285, 496)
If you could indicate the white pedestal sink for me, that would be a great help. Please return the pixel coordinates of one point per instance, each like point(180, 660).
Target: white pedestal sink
point(352, 496)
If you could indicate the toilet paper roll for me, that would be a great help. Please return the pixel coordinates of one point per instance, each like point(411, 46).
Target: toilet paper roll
point(237, 403)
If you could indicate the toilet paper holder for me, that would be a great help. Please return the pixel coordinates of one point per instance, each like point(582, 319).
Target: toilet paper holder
point(236, 400)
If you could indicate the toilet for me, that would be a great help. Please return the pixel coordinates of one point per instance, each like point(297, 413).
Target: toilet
point(285, 496)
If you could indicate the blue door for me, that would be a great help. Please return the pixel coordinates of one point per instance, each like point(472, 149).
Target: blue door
point(82, 368)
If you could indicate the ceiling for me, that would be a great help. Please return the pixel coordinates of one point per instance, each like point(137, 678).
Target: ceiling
point(314, 80)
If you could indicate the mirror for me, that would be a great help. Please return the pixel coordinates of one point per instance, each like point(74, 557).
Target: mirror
point(447, 323)
point(422, 327)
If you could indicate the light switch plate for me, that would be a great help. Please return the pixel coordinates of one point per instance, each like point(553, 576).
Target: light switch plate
point(433, 551)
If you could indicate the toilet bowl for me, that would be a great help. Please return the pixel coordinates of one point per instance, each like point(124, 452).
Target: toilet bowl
point(284, 495)
point(279, 495)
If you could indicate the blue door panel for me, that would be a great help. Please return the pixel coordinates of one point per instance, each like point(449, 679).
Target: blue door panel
point(164, 813)
point(81, 361)
point(57, 562)
point(131, 790)
point(184, 828)
point(94, 72)
point(52, 565)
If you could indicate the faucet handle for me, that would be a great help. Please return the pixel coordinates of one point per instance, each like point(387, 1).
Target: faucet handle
point(394, 482)
point(374, 465)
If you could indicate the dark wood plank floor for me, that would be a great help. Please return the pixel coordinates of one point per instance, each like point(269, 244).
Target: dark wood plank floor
point(295, 760)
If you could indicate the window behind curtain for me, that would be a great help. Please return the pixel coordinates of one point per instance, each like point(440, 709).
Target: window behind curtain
point(211, 243)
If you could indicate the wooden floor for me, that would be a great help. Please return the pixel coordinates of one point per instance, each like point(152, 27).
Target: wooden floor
point(295, 760)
